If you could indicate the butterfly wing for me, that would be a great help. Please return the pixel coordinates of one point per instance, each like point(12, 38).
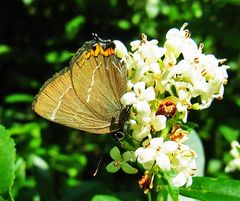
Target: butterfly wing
point(99, 82)
point(58, 102)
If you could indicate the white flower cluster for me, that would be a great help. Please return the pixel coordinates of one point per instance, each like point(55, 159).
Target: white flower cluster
point(168, 155)
point(195, 76)
point(234, 164)
point(164, 83)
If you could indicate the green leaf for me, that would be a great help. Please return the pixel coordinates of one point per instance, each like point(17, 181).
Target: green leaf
point(211, 189)
point(4, 49)
point(58, 56)
point(7, 161)
point(44, 178)
point(228, 132)
point(20, 175)
point(124, 24)
point(115, 154)
point(104, 198)
point(112, 167)
point(74, 25)
point(18, 98)
point(129, 169)
point(173, 191)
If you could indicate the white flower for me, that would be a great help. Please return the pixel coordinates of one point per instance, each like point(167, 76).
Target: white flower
point(183, 109)
point(139, 87)
point(168, 156)
point(179, 180)
point(151, 51)
point(142, 107)
point(159, 122)
point(135, 44)
point(234, 164)
point(120, 49)
point(139, 94)
point(163, 161)
point(145, 58)
point(176, 41)
point(149, 94)
point(128, 98)
point(145, 156)
point(141, 131)
point(235, 151)
point(161, 151)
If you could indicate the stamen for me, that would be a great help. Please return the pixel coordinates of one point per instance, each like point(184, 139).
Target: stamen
point(221, 61)
point(183, 26)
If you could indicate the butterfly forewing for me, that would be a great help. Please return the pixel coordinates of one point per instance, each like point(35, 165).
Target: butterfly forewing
point(100, 82)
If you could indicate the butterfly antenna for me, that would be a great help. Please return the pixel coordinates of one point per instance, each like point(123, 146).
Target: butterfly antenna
point(101, 157)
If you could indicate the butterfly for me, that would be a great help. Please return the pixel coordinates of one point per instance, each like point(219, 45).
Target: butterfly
point(86, 95)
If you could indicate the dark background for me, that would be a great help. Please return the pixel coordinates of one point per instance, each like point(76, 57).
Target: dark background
point(37, 39)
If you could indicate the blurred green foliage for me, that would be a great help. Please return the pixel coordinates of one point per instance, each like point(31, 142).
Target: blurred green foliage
point(7, 164)
point(37, 38)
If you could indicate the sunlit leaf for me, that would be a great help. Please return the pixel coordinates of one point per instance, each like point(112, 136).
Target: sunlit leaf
point(7, 162)
point(27, 2)
point(4, 49)
point(124, 24)
point(152, 9)
point(104, 198)
point(196, 7)
point(173, 191)
point(20, 175)
point(211, 189)
point(214, 166)
point(18, 98)
point(73, 26)
point(58, 56)
point(229, 133)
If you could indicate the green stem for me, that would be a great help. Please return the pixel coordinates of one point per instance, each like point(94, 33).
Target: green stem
point(158, 196)
point(149, 196)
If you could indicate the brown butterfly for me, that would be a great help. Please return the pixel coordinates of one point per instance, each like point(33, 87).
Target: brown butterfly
point(87, 94)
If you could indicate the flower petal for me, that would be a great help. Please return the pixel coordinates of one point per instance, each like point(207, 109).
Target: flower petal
point(128, 98)
point(179, 180)
point(169, 147)
point(112, 167)
point(115, 154)
point(163, 161)
point(129, 169)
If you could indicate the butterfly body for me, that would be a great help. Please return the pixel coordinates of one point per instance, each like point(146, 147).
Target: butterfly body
point(87, 94)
